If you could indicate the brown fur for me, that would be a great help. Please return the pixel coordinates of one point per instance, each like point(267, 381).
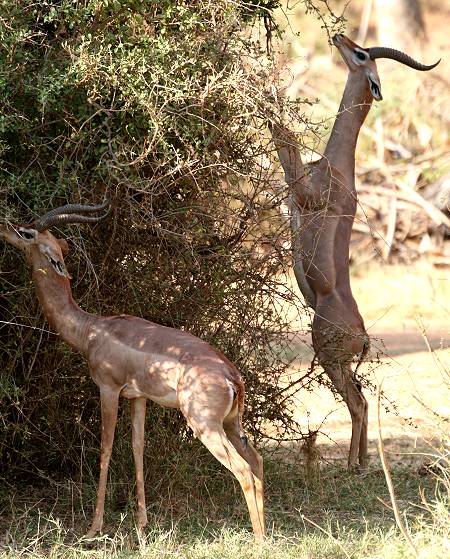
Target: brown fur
point(136, 359)
point(323, 205)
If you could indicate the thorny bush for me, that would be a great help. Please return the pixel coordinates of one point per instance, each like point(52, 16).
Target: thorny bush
point(162, 107)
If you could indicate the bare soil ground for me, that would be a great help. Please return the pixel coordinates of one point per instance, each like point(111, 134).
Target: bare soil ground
point(410, 329)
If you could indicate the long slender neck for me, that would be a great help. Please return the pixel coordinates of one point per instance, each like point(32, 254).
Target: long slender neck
point(60, 310)
point(355, 104)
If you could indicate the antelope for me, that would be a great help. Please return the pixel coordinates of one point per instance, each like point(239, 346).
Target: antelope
point(323, 200)
point(139, 360)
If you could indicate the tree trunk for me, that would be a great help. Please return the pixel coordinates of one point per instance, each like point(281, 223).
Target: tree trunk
point(400, 25)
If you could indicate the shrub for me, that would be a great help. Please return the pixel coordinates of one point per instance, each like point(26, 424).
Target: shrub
point(162, 107)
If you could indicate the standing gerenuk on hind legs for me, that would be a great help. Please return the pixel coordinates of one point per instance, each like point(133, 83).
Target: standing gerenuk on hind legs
point(323, 202)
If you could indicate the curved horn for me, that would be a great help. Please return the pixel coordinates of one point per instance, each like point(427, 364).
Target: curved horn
point(399, 56)
point(72, 218)
point(68, 214)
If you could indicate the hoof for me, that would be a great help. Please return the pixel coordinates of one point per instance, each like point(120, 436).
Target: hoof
point(141, 524)
point(357, 469)
point(260, 538)
point(91, 535)
point(141, 530)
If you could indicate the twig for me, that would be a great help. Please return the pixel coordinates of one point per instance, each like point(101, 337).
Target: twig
point(414, 199)
point(389, 483)
point(435, 213)
point(391, 226)
point(328, 534)
point(436, 359)
point(26, 326)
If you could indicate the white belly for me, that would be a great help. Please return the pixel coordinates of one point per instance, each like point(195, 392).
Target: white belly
point(168, 399)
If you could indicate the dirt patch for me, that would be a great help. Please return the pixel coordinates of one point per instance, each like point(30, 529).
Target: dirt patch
point(410, 332)
point(415, 397)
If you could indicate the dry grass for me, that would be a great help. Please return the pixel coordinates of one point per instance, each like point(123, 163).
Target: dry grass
point(334, 515)
point(329, 514)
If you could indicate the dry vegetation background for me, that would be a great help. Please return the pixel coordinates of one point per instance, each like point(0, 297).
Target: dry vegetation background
point(400, 244)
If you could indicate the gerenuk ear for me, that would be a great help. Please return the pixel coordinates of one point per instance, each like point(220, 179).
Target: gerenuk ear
point(64, 245)
point(375, 86)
